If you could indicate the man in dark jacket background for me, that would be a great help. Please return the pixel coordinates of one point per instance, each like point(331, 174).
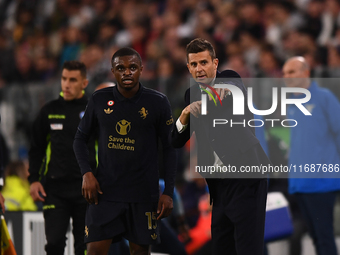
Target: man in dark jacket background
point(238, 214)
point(54, 172)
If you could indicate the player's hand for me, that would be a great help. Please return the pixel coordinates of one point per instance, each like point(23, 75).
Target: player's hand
point(222, 93)
point(90, 188)
point(193, 108)
point(165, 206)
point(35, 188)
point(2, 203)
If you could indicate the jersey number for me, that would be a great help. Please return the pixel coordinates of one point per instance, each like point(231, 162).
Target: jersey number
point(150, 219)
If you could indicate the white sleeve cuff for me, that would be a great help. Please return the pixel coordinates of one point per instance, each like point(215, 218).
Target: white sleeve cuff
point(180, 126)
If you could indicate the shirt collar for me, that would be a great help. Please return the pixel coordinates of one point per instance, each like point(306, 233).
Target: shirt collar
point(312, 86)
point(210, 84)
point(74, 101)
point(119, 97)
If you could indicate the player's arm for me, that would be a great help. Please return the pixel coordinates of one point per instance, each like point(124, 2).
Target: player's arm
point(39, 140)
point(165, 203)
point(90, 186)
point(181, 132)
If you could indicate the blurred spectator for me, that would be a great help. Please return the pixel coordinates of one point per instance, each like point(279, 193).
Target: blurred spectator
point(7, 63)
point(24, 23)
point(191, 196)
point(44, 68)
point(236, 62)
point(330, 21)
point(106, 33)
point(59, 17)
point(312, 18)
point(200, 235)
point(72, 45)
point(24, 71)
point(333, 62)
point(17, 189)
point(251, 47)
point(315, 140)
point(333, 70)
point(269, 65)
point(251, 19)
point(280, 17)
point(314, 61)
point(168, 83)
point(232, 48)
point(227, 27)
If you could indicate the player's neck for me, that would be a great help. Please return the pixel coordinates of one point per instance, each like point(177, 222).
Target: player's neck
point(128, 93)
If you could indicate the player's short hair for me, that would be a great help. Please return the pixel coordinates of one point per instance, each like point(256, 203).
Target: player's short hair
point(74, 65)
point(199, 45)
point(126, 51)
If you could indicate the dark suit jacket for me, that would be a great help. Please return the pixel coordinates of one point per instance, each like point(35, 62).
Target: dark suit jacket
point(235, 145)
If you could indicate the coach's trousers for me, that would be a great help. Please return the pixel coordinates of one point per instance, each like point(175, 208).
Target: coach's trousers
point(238, 218)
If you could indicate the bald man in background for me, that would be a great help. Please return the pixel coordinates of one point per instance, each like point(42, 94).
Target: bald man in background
point(314, 140)
point(104, 85)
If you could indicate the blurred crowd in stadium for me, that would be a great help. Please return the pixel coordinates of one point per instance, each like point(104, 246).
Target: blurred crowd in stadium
point(253, 38)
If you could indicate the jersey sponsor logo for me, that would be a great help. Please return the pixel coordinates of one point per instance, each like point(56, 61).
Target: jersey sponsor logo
point(108, 111)
point(123, 127)
point(110, 103)
point(120, 143)
point(46, 207)
point(170, 121)
point(56, 116)
point(154, 236)
point(143, 112)
point(86, 231)
point(56, 126)
point(81, 114)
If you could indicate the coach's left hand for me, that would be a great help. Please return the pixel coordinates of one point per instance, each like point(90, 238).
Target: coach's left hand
point(165, 206)
point(222, 93)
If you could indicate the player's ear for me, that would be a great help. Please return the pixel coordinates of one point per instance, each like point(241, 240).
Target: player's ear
point(112, 70)
point(215, 61)
point(85, 83)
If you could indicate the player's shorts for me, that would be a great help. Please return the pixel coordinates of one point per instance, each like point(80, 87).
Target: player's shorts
point(135, 222)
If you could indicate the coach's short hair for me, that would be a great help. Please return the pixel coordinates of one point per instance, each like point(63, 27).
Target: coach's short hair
point(199, 45)
point(74, 65)
point(126, 51)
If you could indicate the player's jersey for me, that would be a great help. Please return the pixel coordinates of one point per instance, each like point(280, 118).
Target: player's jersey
point(128, 131)
point(51, 153)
